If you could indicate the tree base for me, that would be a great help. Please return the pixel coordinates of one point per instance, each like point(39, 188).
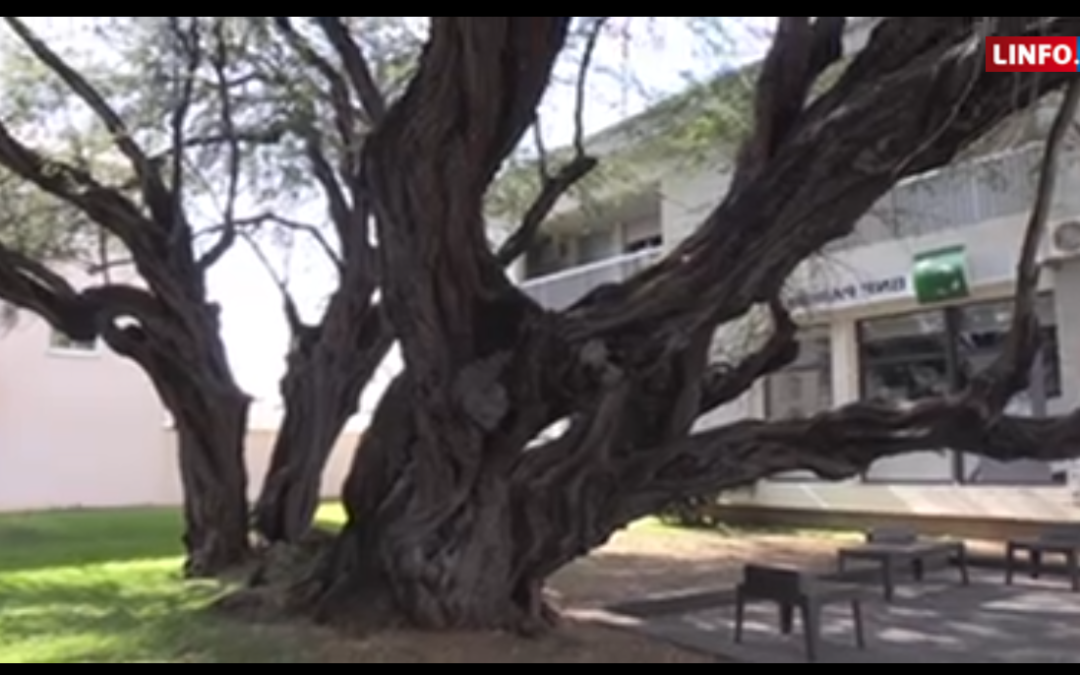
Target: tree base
point(294, 581)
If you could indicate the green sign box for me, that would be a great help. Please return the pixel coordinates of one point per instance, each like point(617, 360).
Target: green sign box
point(941, 275)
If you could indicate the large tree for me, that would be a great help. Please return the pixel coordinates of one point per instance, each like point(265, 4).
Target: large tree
point(258, 126)
point(455, 520)
point(267, 119)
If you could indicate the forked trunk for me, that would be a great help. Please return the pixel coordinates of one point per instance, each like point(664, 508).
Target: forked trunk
point(211, 432)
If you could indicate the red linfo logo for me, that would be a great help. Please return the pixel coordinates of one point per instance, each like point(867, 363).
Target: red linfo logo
point(1032, 54)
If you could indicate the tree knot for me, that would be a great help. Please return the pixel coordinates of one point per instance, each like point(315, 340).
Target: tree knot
point(480, 394)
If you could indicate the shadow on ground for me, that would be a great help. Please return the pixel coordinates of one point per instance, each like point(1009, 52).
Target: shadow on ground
point(937, 622)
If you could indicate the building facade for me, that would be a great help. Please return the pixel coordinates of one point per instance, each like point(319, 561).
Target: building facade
point(914, 303)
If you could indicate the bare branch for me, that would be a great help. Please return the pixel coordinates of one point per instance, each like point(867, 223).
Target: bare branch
point(219, 62)
point(1011, 372)
point(724, 383)
point(314, 233)
point(800, 52)
point(344, 114)
point(249, 224)
point(541, 149)
point(356, 66)
point(292, 312)
point(157, 195)
point(27, 283)
point(190, 45)
point(552, 188)
point(583, 74)
point(551, 191)
point(837, 445)
point(106, 207)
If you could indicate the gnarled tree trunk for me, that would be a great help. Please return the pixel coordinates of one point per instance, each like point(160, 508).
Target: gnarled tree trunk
point(321, 390)
point(454, 521)
point(180, 349)
point(211, 433)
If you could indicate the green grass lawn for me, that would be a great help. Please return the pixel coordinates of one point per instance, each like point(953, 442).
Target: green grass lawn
point(104, 587)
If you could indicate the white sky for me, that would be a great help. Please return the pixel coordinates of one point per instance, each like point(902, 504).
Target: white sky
point(660, 56)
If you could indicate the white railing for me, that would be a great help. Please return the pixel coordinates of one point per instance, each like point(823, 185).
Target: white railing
point(950, 198)
point(958, 196)
point(560, 290)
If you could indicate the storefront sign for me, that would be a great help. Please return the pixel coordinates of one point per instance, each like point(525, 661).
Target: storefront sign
point(865, 291)
point(941, 275)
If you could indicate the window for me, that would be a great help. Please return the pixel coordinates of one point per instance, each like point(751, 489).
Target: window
point(646, 244)
point(58, 342)
point(934, 352)
point(804, 388)
point(905, 358)
point(982, 332)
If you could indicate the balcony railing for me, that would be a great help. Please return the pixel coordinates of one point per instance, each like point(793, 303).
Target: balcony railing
point(959, 196)
point(950, 198)
point(560, 290)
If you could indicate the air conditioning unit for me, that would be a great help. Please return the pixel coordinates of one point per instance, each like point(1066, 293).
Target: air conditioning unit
point(1063, 242)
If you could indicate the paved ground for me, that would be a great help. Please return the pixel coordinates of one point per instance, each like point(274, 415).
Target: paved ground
point(937, 622)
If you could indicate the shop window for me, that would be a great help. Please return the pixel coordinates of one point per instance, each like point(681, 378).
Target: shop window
point(982, 332)
point(904, 358)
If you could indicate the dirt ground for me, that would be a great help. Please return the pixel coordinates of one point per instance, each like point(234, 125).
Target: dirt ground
point(644, 561)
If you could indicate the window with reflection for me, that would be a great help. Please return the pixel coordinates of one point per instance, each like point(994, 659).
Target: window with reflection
point(906, 358)
point(982, 330)
point(805, 387)
point(929, 353)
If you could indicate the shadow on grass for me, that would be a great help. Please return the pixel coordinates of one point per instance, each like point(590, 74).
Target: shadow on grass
point(104, 586)
point(127, 612)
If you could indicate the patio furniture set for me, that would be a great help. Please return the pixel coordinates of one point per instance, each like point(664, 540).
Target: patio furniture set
point(892, 551)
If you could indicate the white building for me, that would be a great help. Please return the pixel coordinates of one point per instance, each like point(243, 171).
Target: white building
point(82, 427)
point(869, 329)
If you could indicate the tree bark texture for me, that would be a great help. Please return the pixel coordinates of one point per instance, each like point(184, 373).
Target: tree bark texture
point(321, 391)
point(185, 360)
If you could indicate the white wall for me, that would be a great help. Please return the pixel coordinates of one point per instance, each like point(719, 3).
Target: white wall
point(85, 429)
point(77, 428)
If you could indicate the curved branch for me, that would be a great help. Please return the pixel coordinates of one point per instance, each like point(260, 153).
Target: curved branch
point(340, 101)
point(107, 207)
point(842, 154)
point(356, 66)
point(158, 198)
point(799, 54)
point(553, 188)
point(724, 383)
point(29, 284)
point(839, 445)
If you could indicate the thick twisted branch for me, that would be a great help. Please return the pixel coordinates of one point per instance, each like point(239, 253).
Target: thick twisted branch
point(841, 154)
